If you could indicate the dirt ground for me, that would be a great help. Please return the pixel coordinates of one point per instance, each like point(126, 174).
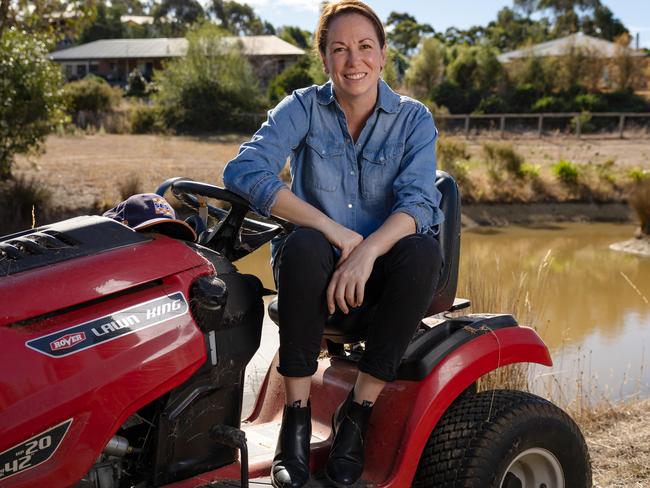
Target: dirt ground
point(85, 171)
point(619, 445)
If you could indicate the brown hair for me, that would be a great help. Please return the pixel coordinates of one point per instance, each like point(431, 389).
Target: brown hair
point(336, 9)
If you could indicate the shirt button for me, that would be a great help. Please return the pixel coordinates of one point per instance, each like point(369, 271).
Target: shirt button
point(349, 205)
point(352, 173)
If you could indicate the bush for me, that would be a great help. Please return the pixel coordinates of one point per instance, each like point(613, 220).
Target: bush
point(137, 85)
point(129, 185)
point(90, 99)
point(145, 119)
point(586, 125)
point(567, 172)
point(549, 103)
point(502, 157)
point(292, 78)
point(530, 171)
point(638, 175)
point(427, 68)
point(640, 202)
point(31, 103)
point(210, 88)
point(23, 203)
point(455, 98)
point(451, 154)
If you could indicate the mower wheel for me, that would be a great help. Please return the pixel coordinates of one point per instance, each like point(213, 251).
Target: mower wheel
point(504, 439)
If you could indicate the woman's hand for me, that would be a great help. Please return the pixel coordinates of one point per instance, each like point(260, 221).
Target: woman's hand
point(347, 285)
point(343, 238)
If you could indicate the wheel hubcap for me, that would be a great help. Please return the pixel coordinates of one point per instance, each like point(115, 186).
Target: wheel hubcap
point(534, 468)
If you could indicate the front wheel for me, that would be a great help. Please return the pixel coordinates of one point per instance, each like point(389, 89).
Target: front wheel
point(504, 439)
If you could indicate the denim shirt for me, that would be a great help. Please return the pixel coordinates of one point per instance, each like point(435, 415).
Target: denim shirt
point(390, 168)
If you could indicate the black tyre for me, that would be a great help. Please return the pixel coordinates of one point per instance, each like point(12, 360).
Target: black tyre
point(527, 442)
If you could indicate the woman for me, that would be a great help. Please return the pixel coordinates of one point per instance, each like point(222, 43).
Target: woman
point(365, 205)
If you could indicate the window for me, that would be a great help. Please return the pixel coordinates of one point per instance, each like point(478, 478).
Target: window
point(81, 70)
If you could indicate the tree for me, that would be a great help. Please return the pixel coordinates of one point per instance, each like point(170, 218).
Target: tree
point(57, 20)
point(426, 69)
point(210, 87)
point(181, 13)
point(30, 95)
point(107, 25)
point(295, 76)
point(510, 30)
point(404, 32)
point(295, 35)
point(239, 19)
point(570, 16)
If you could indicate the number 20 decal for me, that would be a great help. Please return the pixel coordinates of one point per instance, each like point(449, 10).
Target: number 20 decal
point(32, 452)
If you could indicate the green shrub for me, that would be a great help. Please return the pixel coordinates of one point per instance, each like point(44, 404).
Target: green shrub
point(638, 175)
point(292, 78)
point(567, 172)
point(137, 85)
point(549, 103)
point(530, 171)
point(586, 125)
point(145, 119)
point(31, 104)
point(502, 157)
point(451, 154)
point(92, 94)
point(211, 88)
point(589, 102)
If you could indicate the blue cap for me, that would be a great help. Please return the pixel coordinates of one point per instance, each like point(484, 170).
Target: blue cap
point(147, 210)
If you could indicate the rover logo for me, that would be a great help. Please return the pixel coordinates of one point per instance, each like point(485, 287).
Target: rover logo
point(112, 326)
point(67, 341)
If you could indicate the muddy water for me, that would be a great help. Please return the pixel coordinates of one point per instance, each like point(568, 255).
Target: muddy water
point(589, 304)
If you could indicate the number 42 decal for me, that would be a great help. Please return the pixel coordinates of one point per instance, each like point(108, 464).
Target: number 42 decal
point(33, 451)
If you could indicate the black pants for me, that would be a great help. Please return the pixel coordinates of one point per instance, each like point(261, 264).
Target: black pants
point(402, 283)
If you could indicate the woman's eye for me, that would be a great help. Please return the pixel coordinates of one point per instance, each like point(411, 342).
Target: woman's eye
point(338, 49)
point(366, 46)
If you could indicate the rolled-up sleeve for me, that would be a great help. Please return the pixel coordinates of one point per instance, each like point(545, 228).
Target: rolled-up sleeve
point(253, 173)
point(414, 188)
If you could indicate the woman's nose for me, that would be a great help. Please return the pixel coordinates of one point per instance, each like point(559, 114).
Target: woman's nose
point(353, 57)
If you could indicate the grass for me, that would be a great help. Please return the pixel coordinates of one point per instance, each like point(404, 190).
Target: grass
point(501, 158)
point(23, 201)
point(566, 172)
point(130, 185)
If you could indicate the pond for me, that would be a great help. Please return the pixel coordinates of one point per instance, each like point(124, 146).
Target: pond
point(588, 303)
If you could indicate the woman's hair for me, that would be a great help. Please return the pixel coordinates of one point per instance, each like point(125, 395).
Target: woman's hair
point(341, 7)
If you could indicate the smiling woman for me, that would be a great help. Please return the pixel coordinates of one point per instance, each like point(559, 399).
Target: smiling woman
point(365, 206)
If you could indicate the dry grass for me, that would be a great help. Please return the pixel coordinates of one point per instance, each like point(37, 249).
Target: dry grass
point(83, 172)
point(619, 445)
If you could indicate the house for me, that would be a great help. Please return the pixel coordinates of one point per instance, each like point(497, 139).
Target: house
point(605, 51)
point(114, 59)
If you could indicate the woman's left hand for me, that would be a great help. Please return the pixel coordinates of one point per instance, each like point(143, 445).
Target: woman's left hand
point(347, 285)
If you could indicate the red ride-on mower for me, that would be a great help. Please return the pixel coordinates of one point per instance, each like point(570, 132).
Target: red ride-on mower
point(123, 358)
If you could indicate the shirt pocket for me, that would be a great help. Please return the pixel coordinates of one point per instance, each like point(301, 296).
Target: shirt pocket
point(322, 164)
point(379, 168)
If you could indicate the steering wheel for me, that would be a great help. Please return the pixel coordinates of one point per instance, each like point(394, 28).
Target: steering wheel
point(235, 235)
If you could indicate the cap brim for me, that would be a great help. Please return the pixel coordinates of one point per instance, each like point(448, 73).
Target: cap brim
point(169, 227)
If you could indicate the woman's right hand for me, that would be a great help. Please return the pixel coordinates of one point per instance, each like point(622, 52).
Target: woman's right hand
point(342, 238)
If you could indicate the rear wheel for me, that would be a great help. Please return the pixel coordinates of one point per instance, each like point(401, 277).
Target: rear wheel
point(504, 439)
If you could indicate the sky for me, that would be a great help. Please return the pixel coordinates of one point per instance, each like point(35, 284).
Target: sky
point(441, 14)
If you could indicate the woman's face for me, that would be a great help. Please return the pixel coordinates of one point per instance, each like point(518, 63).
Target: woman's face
point(353, 57)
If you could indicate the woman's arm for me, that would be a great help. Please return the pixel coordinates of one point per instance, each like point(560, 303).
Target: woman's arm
point(349, 280)
point(288, 206)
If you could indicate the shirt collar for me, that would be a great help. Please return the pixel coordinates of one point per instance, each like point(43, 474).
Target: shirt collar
point(387, 99)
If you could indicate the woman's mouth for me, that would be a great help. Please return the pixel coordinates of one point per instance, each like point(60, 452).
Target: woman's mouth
point(355, 76)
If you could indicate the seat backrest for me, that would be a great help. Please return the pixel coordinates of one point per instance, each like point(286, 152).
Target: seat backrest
point(449, 238)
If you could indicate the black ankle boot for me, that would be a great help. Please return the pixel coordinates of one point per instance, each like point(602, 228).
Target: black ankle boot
point(349, 424)
point(291, 462)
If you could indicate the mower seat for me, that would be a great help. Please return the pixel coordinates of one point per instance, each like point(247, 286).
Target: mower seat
point(351, 328)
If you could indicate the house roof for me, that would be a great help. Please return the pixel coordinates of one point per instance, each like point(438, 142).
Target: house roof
point(136, 19)
point(168, 48)
point(559, 47)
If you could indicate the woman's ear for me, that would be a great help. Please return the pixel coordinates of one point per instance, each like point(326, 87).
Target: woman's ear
point(324, 61)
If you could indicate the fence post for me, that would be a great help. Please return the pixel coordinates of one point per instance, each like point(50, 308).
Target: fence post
point(621, 126)
point(578, 126)
point(540, 123)
point(467, 126)
point(503, 125)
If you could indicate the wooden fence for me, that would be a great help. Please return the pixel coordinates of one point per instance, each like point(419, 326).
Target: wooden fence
point(622, 117)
